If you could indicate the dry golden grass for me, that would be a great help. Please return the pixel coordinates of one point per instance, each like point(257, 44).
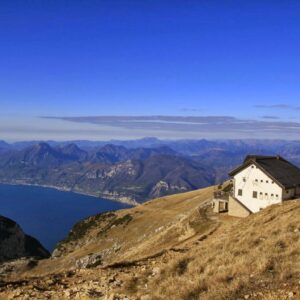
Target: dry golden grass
point(153, 227)
point(260, 252)
point(176, 248)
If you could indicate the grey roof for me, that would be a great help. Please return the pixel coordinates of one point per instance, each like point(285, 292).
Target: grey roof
point(280, 170)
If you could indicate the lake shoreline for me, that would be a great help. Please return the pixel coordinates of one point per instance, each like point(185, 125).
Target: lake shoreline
point(48, 214)
point(67, 190)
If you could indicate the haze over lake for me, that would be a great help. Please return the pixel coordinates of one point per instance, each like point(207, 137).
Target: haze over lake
point(49, 214)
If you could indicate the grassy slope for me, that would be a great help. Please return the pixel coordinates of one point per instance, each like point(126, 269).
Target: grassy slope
point(138, 232)
point(175, 248)
point(257, 256)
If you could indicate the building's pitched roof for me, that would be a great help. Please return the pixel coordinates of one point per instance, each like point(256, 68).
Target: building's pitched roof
point(280, 170)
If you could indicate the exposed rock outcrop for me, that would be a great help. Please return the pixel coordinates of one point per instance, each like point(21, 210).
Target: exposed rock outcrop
point(14, 243)
point(89, 261)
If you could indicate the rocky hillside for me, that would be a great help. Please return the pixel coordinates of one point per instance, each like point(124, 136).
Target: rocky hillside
point(171, 248)
point(113, 172)
point(14, 243)
point(132, 171)
point(124, 170)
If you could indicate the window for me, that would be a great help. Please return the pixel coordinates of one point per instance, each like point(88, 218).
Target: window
point(267, 181)
point(244, 179)
point(240, 192)
point(261, 181)
point(256, 180)
point(254, 194)
point(252, 167)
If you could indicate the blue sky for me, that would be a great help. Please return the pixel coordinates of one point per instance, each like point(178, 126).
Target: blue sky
point(93, 58)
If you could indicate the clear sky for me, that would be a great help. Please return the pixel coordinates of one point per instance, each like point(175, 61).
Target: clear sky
point(146, 57)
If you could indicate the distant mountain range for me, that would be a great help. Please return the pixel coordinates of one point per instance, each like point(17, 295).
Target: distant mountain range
point(111, 171)
point(131, 171)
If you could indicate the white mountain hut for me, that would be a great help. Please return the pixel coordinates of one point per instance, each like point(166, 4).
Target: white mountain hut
point(259, 182)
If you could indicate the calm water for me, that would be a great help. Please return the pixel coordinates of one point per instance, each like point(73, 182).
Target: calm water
point(48, 214)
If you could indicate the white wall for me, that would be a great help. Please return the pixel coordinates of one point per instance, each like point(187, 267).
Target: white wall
point(253, 179)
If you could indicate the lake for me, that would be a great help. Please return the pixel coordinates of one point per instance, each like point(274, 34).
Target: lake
point(48, 214)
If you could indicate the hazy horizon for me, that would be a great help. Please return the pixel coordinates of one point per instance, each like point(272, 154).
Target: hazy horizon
point(129, 127)
point(234, 65)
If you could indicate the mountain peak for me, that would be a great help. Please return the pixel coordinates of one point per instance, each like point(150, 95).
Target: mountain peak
point(109, 148)
point(42, 145)
point(73, 152)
